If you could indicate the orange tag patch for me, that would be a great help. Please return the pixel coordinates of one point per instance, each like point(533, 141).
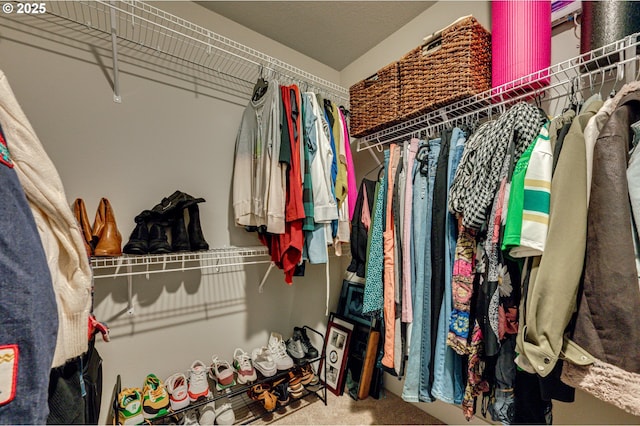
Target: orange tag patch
point(8, 373)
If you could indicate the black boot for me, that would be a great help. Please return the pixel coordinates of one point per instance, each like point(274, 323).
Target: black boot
point(195, 230)
point(164, 211)
point(138, 241)
point(158, 243)
point(179, 237)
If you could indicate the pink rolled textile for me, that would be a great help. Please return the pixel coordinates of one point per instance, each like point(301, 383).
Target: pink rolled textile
point(520, 41)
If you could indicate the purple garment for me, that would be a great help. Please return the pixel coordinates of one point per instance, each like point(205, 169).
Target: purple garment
point(352, 189)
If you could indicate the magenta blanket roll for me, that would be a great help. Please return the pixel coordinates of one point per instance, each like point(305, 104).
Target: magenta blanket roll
point(520, 37)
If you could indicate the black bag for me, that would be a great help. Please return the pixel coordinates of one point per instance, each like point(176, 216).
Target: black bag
point(75, 390)
point(92, 374)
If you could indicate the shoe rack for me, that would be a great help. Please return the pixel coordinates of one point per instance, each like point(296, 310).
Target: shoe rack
point(246, 410)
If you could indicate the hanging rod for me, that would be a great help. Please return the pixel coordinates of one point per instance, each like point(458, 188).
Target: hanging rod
point(549, 82)
point(147, 26)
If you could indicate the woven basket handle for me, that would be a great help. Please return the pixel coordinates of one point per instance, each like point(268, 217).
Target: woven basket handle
point(371, 79)
point(433, 42)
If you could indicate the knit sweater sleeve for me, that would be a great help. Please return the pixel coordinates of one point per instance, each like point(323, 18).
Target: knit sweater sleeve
point(59, 232)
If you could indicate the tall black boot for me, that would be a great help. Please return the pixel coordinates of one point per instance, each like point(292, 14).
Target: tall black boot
point(138, 241)
point(195, 230)
point(158, 243)
point(179, 237)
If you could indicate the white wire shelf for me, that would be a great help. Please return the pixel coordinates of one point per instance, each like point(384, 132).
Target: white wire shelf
point(616, 61)
point(129, 265)
point(145, 26)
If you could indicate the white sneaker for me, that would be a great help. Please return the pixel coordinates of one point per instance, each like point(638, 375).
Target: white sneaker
point(225, 415)
point(242, 365)
point(263, 362)
point(208, 415)
point(198, 384)
point(278, 351)
point(176, 385)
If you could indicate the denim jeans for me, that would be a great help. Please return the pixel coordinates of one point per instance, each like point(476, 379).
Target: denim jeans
point(28, 313)
point(448, 384)
point(416, 385)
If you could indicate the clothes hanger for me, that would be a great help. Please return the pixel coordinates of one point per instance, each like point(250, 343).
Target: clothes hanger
point(260, 87)
point(619, 77)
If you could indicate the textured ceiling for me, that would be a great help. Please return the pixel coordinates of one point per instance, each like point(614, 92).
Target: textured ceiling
point(333, 32)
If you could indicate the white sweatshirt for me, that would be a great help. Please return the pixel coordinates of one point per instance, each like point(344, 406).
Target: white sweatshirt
point(325, 208)
point(259, 179)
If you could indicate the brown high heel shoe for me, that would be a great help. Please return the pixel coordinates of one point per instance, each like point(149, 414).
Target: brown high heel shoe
point(80, 213)
point(106, 237)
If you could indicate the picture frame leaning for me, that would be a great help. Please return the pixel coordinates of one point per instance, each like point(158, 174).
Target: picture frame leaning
point(337, 340)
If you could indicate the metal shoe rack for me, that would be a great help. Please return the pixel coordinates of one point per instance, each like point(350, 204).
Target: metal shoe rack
point(245, 409)
point(616, 62)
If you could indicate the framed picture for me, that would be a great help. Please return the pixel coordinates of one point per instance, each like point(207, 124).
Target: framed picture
point(336, 343)
point(351, 302)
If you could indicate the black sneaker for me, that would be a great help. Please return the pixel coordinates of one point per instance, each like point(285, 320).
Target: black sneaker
point(301, 335)
point(282, 393)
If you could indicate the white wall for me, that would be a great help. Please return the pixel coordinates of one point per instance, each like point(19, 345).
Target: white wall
point(565, 45)
point(174, 130)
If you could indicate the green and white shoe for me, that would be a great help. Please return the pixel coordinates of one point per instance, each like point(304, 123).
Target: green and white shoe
point(130, 407)
point(155, 399)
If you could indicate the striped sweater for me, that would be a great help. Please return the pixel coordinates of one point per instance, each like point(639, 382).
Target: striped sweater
point(528, 214)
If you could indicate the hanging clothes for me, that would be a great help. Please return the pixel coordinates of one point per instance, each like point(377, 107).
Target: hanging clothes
point(476, 181)
point(325, 208)
point(389, 262)
point(286, 249)
point(608, 319)
point(416, 385)
point(448, 384)
point(360, 227)
point(551, 299)
point(352, 190)
point(438, 245)
point(373, 300)
point(259, 178)
point(28, 314)
point(407, 270)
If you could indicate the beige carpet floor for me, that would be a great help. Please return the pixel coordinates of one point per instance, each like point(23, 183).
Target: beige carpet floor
point(343, 410)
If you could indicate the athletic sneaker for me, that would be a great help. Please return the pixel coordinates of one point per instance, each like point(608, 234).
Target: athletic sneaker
point(242, 365)
point(300, 333)
point(190, 418)
point(178, 391)
point(130, 406)
point(207, 415)
point(279, 352)
point(221, 372)
point(155, 399)
point(263, 362)
point(198, 384)
point(294, 348)
point(225, 415)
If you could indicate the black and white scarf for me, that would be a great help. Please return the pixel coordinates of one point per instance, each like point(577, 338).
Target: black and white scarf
point(476, 181)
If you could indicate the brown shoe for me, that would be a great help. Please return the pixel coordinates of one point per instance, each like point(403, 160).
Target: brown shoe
point(80, 213)
point(105, 232)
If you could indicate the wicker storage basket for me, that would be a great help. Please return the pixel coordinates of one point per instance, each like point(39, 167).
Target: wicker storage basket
point(451, 65)
point(375, 101)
